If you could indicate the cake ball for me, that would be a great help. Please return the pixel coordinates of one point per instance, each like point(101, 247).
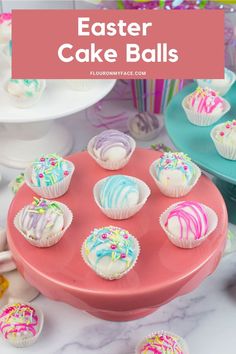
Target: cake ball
point(175, 174)
point(43, 222)
point(224, 138)
point(20, 324)
point(222, 86)
point(188, 223)
point(206, 101)
point(204, 106)
point(49, 175)
point(110, 251)
point(162, 342)
point(111, 149)
point(25, 93)
point(119, 192)
point(120, 197)
point(5, 27)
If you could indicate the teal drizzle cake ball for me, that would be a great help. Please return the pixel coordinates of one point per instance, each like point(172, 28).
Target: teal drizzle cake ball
point(110, 251)
point(175, 168)
point(49, 169)
point(119, 192)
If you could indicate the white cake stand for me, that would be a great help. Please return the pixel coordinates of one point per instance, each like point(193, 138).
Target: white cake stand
point(26, 133)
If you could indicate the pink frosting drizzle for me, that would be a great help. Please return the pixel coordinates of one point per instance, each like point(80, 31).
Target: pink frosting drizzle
point(5, 17)
point(195, 220)
point(205, 100)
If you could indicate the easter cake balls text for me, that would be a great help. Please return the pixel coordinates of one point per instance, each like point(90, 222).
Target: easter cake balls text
point(161, 53)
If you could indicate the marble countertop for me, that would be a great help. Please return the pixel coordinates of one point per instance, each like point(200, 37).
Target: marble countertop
point(206, 318)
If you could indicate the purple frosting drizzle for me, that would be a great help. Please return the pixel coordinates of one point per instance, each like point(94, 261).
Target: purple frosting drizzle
point(109, 139)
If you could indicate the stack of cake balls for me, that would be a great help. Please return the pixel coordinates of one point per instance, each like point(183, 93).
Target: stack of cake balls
point(206, 106)
point(112, 251)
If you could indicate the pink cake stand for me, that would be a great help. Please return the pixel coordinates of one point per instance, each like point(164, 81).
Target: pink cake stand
point(162, 272)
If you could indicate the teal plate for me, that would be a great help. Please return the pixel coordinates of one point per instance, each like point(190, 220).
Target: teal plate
point(196, 141)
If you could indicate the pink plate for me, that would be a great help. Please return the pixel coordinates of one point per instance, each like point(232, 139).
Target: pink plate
point(162, 272)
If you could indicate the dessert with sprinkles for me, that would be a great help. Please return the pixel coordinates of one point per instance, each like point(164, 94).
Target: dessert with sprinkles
point(49, 175)
point(111, 149)
point(43, 222)
point(175, 174)
point(5, 27)
point(204, 106)
point(220, 85)
point(20, 324)
point(110, 251)
point(224, 138)
point(25, 93)
point(162, 342)
point(120, 196)
point(188, 223)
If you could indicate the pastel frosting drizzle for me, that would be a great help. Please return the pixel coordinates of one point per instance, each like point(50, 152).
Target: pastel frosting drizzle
point(162, 344)
point(205, 100)
point(40, 216)
point(175, 161)
point(26, 87)
point(191, 217)
point(19, 319)
point(109, 139)
point(112, 242)
point(49, 169)
point(116, 190)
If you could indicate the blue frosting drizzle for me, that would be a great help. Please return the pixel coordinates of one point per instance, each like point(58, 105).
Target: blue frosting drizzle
point(111, 195)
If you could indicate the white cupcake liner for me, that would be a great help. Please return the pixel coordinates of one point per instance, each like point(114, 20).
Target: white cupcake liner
point(228, 151)
point(111, 165)
point(117, 275)
point(26, 342)
point(222, 90)
point(52, 240)
point(202, 119)
point(181, 341)
point(82, 84)
point(56, 190)
point(124, 213)
point(212, 224)
point(175, 191)
point(26, 102)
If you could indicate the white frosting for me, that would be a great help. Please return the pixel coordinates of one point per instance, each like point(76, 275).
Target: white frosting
point(173, 177)
point(5, 32)
point(112, 154)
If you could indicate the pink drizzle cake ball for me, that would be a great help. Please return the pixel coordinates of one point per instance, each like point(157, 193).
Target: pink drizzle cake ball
point(205, 100)
point(204, 106)
point(20, 324)
point(5, 28)
point(162, 343)
point(187, 224)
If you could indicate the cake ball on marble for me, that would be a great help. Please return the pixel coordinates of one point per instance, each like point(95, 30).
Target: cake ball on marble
point(49, 175)
point(20, 324)
point(188, 223)
point(204, 106)
point(162, 342)
point(24, 93)
point(111, 149)
point(110, 251)
point(120, 197)
point(220, 85)
point(175, 174)
point(5, 27)
point(43, 222)
point(224, 138)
